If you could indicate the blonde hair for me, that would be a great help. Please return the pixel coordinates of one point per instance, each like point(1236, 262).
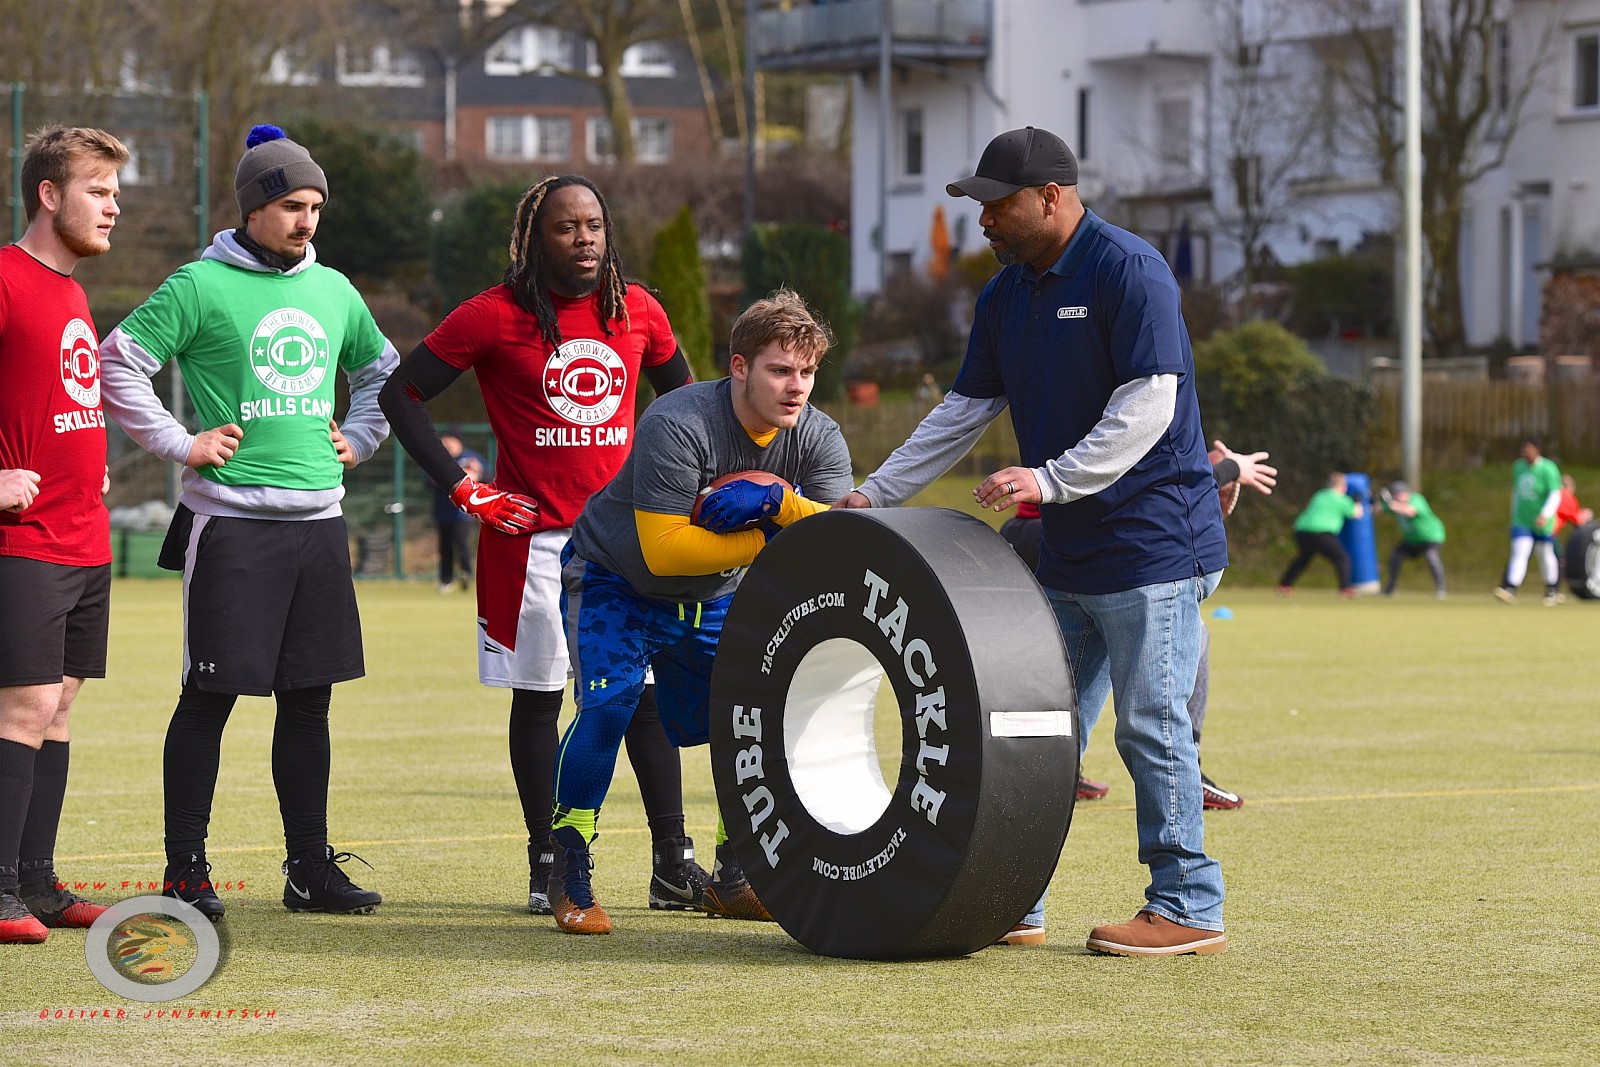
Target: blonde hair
point(54, 151)
point(785, 318)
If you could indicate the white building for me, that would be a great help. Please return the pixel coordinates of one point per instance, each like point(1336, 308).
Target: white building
point(1176, 109)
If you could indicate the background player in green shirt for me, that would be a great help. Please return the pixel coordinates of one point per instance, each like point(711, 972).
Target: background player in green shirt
point(1316, 531)
point(1421, 534)
point(1535, 496)
point(258, 327)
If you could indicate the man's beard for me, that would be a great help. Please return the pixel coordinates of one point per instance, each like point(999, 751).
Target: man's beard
point(572, 281)
point(76, 243)
point(1005, 256)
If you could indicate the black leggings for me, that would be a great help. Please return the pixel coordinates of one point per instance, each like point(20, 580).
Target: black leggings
point(1318, 544)
point(300, 761)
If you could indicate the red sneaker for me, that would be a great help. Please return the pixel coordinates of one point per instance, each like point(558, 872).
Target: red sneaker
point(17, 924)
point(1089, 789)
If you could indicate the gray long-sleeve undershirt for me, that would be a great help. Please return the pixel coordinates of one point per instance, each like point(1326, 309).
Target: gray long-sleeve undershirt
point(1135, 417)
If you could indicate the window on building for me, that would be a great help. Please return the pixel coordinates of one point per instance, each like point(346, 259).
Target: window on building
point(648, 59)
point(544, 138)
point(291, 66)
point(503, 139)
point(379, 63)
point(527, 49)
point(1175, 132)
point(652, 140)
point(911, 142)
point(1586, 71)
point(151, 161)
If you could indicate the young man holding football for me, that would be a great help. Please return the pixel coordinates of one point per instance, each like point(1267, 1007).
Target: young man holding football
point(646, 587)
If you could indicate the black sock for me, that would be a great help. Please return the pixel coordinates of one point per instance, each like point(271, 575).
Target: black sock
point(16, 787)
point(36, 852)
point(534, 741)
point(656, 765)
point(189, 767)
point(301, 757)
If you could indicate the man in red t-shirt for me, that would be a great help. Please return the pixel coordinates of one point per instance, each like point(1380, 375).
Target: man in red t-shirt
point(557, 348)
point(55, 533)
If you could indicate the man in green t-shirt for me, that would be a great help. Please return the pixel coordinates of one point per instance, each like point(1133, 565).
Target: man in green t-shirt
point(1421, 534)
point(258, 327)
point(1535, 496)
point(1316, 532)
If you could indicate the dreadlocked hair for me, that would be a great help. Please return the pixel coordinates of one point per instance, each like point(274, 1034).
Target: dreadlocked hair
point(522, 274)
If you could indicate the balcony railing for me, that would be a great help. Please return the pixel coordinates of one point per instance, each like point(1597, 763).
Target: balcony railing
point(845, 35)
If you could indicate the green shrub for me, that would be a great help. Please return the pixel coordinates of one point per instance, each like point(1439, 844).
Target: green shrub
point(1261, 389)
point(471, 243)
point(376, 224)
point(814, 261)
point(680, 278)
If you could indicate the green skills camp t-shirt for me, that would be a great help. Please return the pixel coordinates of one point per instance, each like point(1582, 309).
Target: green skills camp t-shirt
point(259, 349)
point(1326, 513)
point(1424, 528)
point(1531, 485)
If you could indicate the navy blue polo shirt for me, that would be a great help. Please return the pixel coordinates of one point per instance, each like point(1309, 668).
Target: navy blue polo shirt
point(1056, 347)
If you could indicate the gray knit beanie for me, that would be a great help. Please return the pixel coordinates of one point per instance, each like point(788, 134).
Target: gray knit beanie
point(272, 167)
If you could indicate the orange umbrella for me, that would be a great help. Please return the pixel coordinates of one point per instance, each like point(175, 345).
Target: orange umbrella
point(939, 238)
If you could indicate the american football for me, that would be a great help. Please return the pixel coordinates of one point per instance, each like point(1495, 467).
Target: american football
point(759, 477)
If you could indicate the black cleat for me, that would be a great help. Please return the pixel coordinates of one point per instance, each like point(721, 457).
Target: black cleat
point(677, 880)
point(188, 878)
point(540, 859)
point(728, 895)
point(317, 883)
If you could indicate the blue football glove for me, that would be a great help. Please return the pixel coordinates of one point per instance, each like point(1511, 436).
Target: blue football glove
point(739, 504)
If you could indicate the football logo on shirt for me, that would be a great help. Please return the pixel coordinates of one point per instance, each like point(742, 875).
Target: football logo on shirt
point(80, 363)
point(289, 352)
point(584, 381)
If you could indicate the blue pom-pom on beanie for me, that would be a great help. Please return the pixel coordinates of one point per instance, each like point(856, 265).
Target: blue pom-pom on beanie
point(262, 134)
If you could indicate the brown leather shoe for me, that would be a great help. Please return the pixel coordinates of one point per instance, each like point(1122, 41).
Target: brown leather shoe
point(1023, 934)
point(1148, 934)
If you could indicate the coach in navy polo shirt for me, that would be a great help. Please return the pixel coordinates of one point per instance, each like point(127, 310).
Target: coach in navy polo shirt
point(1081, 335)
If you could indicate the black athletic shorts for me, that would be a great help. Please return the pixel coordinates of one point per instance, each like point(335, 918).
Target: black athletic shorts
point(53, 621)
point(267, 604)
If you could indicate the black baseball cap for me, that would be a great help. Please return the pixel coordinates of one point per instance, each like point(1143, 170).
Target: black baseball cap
point(1017, 160)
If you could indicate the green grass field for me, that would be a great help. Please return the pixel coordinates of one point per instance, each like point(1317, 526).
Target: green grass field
point(1411, 881)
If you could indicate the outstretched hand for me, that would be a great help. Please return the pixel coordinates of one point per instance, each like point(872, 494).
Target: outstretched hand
point(1253, 469)
point(1003, 488)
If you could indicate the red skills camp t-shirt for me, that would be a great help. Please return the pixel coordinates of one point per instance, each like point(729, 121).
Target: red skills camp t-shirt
point(563, 418)
point(50, 417)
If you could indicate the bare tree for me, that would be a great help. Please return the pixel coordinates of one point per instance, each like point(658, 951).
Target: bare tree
point(1475, 85)
point(1268, 114)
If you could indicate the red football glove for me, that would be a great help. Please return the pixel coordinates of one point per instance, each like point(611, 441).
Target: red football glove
point(510, 513)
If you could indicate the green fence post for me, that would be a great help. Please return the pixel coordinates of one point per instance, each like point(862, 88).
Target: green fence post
point(18, 217)
point(397, 511)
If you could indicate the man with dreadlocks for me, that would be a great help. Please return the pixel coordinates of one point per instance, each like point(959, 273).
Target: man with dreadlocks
point(558, 347)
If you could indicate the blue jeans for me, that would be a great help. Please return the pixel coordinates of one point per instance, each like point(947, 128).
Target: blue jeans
point(1143, 647)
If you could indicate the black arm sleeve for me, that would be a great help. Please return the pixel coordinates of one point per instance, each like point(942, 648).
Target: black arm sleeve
point(420, 377)
point(1225, 471)
point(669, 375)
